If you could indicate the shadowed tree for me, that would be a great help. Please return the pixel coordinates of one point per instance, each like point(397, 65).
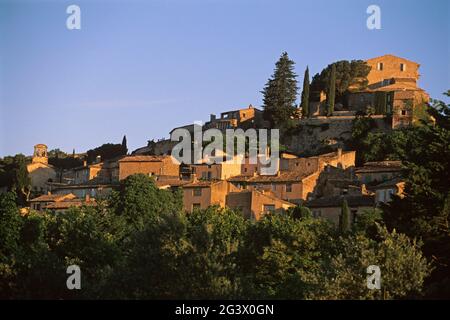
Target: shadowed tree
point(305, 95)
point(280, 93)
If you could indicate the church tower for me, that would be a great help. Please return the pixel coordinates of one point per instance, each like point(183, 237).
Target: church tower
point(40, 154)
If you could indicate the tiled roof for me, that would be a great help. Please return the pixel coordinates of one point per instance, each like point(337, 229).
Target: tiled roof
point(143, 159)
point(336, 201)
point(283, 176)
point(70, 203)
point(52, 197)
point(389, 183)
point(381, 166)
point(201, 183)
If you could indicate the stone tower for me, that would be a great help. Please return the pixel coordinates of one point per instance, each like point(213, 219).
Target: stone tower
point(40, 154)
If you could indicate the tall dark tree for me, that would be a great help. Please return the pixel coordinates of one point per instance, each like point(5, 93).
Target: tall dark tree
point(344, 220)
point(124, 144)
point(280, 93)
point(305, 95)
point(349, 74)
point(331, 95)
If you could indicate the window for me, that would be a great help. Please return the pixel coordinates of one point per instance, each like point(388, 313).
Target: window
point(196, 206)
point(289, 187)
point(402, 67)
point(197, 192)
point(245, 169)
point(268, 208)
point(380, 66)
point(403, 112)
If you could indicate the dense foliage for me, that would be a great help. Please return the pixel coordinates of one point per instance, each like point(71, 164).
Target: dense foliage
point(348, 74)
point(146, 247)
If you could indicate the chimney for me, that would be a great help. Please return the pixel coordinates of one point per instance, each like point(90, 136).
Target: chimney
point(212, 117)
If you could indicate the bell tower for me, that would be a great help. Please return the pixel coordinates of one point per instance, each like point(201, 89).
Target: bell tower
point(40, 154)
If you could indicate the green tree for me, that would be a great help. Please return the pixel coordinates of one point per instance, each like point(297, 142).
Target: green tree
point(124, 144)
point(279, 93)
point(344, 218)
point(331, 94)
point(305, 95)
point(348, 74)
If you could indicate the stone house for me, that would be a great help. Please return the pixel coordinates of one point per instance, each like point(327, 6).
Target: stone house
point(309, 165)
point(385, 190)
point(40, 171)
point(330, 207)
point(149, 165)
point(202, 194)
point(254, 204)
point(41, 202)
point(250, 117)
point(291, 186)
point(373, 173)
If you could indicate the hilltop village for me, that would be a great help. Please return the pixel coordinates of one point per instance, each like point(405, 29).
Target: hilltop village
point(317, 167)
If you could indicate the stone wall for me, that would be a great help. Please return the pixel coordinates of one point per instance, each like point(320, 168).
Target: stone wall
point(324, 134)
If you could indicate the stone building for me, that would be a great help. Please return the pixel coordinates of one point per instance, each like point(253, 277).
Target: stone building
point(254, 203)
point(309, 165)
point(291, 186)
point(40, 171)
point(392, 81)
point(373, 173)
point(330, 207)
point(250, 117)
point(202, 194)
point(149, 165)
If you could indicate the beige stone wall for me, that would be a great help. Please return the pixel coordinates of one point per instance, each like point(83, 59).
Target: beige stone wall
point(333, 213)
point(391, 69)
point(40, 174)
point(189, 198)
point(251, 204)
point(165, 167)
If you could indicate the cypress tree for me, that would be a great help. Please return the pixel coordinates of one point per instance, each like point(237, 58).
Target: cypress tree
point(305, 95)
point(344, 221)
point(280, 92)
point(331, 96)
point(124, 144)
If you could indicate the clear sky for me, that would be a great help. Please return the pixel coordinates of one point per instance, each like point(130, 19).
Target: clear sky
point(141, 68)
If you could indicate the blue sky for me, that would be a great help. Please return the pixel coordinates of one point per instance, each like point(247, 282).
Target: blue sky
point(141, 68)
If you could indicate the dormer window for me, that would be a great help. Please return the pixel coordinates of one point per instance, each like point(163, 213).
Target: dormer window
point(380, 66)
point(402, 67)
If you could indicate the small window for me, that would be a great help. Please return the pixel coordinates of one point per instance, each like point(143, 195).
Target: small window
point(268, 208)
point(197, 192)
point(245, 169)
point(289, 187)
point(403, 112)
point(402, 67)
point(196, 206)
point(380, 66)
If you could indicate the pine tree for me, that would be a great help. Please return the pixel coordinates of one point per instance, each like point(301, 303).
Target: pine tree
point(331, 95)
point(280, 93)
point(344, 221)
point(305, 95)
point(124, 144)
